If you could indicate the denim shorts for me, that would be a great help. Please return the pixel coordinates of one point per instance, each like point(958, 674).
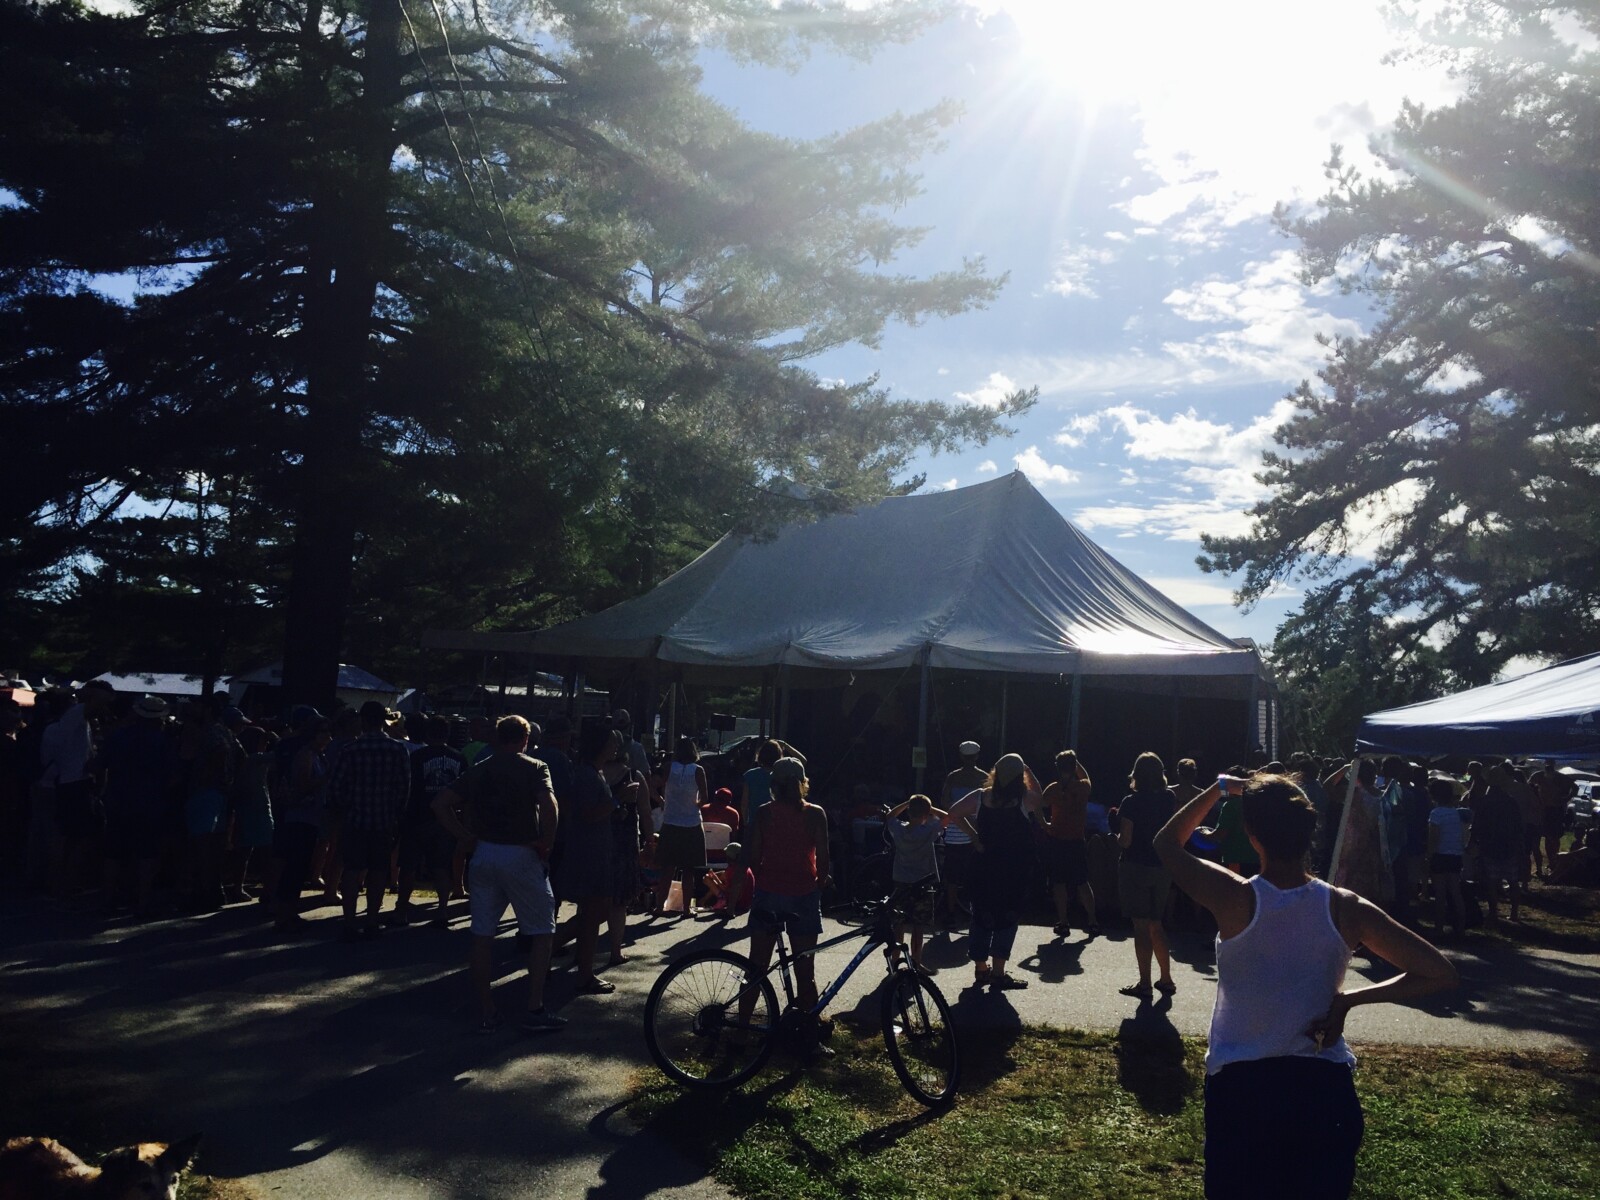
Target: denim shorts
point(770, 912)
point(514, 875)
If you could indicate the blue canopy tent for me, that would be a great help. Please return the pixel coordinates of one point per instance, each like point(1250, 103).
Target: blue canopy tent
point(1553, 713)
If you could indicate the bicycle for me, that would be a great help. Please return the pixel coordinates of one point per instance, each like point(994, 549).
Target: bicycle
point(694, 1031)
point(872, 881)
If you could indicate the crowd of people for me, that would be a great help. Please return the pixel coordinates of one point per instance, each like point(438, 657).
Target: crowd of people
point(138, 807)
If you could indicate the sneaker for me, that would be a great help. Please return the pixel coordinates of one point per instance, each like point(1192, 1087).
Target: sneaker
point(487, 1026)
point(542, 1020)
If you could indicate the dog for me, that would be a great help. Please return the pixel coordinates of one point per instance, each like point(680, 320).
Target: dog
point(33, 1168)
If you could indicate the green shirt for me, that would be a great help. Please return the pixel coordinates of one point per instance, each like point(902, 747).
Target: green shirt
point(502, 795)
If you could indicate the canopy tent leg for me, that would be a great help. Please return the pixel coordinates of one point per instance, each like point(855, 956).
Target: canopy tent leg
point(1254, 722)
point(1077, 706)
point(922, 717)
point(672, 714)
point(780, 720)
point(1005, 702)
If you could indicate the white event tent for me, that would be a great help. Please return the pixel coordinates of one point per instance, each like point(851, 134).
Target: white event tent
point(989, 579)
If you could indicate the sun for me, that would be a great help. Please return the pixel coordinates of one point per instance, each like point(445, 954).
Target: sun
point(1145, 51)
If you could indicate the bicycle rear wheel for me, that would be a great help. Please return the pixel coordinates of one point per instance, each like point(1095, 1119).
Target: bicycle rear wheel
point(692, 1024)
point(920, 1038)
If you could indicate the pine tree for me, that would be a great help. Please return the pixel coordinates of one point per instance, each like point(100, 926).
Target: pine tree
point(1445, 472)
point(462, 300)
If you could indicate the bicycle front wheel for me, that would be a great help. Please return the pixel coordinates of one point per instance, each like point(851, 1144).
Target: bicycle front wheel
point(694, 1026)
point(920, 1038)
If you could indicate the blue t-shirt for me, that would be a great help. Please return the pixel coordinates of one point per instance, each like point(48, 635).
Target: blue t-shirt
point(757, 790)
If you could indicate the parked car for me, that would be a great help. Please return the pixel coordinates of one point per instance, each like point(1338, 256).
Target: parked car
point(1581, 808)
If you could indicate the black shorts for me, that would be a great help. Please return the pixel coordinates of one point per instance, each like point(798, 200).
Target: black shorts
point(426, 847)
point(957, 862)
point(1066, 861)
point(367, 849)
point(1257, 1144)
point(1445, 864)
point(78, 813)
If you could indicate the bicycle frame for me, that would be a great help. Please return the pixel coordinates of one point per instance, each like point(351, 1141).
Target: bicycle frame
point(786, 960)
point(876, 935)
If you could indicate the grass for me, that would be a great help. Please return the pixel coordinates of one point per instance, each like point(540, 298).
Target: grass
point(1066, 1113)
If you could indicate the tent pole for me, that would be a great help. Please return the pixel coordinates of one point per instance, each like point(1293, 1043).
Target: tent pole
point(1254, 735)
point(672, 713)
point(922, 715)
point(780, 719)
point(1005, 704)
point(1077, 704)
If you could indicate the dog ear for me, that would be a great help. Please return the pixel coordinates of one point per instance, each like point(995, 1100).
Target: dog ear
point(121, 1159)
point(179, 1155)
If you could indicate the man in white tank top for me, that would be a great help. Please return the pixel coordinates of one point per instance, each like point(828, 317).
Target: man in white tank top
point(1282, 1114)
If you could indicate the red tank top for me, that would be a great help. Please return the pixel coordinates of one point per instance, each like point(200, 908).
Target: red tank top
point(788, 865)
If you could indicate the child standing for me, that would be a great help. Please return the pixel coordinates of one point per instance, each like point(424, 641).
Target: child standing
point(916, 859)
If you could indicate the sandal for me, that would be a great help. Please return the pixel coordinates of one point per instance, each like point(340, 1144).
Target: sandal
point(1008, 983)
point(1167, 989)
point(596, 987)
point(1139, 990)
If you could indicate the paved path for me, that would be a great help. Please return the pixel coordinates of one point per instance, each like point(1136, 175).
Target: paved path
point(321, 1069)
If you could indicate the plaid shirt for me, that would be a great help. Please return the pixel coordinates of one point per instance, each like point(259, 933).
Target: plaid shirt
point(371, 782)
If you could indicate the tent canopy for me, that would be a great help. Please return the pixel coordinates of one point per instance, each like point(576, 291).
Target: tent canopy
point(986, 578)
point(1553, 713)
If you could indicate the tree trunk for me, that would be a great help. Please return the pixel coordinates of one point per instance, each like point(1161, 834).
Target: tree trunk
point(346, 270)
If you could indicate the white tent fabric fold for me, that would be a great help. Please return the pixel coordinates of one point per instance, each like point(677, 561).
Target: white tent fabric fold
point(984, 578)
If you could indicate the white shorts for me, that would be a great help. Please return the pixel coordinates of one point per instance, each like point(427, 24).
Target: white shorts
point(514, 875)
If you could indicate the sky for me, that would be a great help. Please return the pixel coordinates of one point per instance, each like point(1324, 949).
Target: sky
point(1120, 163)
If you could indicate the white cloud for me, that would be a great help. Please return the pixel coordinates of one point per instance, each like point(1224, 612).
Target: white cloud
point(1213, 471)
point(988, 467)
point(1189, 437)
point(1192, 593)
point(991, 393)
point(949, 485)
point(1032, 464)
point(1197, 593)
point(1175, 521)
point(1265, 328)
point(1075, 270)
point(1279, 323)
point(944, 370)
point(1077, 430)
point(1129, 477)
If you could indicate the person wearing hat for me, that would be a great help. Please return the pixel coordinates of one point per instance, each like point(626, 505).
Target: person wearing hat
point(965, 780)
point(721, 810)
point(369, 785)
point(787, 851)
point(1002, 867)
point(140, 763)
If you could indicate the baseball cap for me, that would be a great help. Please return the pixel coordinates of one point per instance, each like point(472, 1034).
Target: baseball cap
point(788, 770)
point(1008, 768)
point(150, 707)
point(970, 749)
